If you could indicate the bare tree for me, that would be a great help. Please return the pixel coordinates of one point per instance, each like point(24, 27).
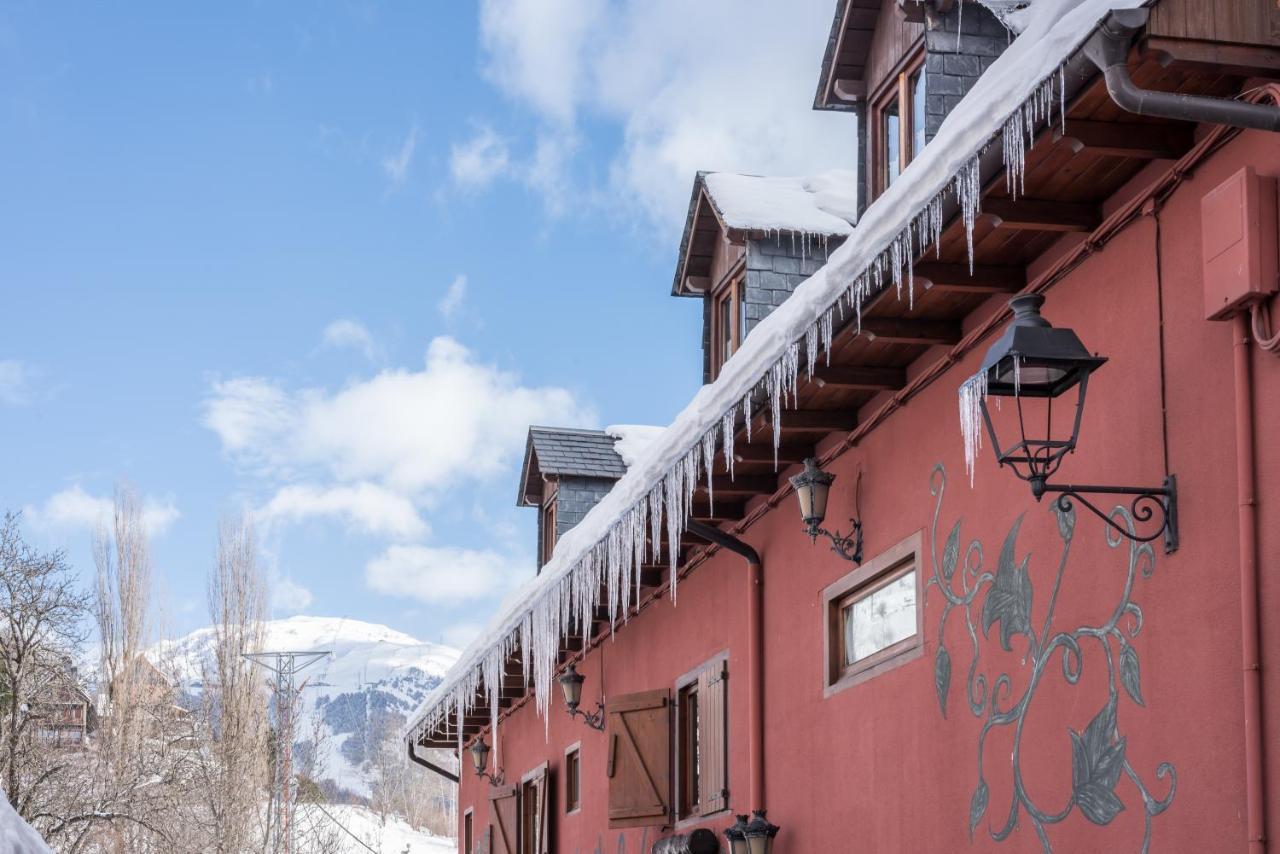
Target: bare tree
point(235, 700)
point(40, 635)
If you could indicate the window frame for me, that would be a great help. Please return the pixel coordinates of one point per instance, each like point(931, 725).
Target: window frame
point(731, 290)
point(896, 87)
point(871, 576)
point(692, 814)
point(573, 799)
point(547, 512)
point(468, 831)
point(528, 786)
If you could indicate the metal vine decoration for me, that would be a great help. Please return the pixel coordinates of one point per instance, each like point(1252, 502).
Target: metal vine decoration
point(1098, 754)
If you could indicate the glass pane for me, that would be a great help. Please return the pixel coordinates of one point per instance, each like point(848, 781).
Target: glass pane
point(742, 317)
point(879, 619)
point(891, 142)
point(918, 95)
point(726, 329)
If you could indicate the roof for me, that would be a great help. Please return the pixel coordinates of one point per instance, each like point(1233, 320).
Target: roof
point(848, 47)
point(1021, 87)
point(820, 206)
point(558, 451)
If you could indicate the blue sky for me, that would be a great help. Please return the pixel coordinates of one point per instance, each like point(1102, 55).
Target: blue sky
point(325, 264)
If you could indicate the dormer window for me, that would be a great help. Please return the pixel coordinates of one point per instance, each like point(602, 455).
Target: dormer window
point(898, 121)
point(547, 524)
point(730, 325)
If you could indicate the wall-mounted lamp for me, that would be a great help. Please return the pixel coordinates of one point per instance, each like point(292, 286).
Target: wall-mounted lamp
point(812, 487)
point(1033, 361)
point(480, 758)
point(751, 837)
point(571, 684)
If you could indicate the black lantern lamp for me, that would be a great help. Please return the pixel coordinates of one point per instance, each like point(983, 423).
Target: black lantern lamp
point(571, 684)
point(1034, 361)
point(812, 487)
point(753, 837)
point(480, 758)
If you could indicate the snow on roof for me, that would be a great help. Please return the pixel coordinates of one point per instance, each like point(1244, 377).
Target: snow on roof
point(1022, 87)
point(821, 205)
point(633, 440)
point(16, 836)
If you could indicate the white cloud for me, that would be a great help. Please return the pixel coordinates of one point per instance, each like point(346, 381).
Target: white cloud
point(363, 506)
point(289, 596)
point(452, 300)
point(397, 165)
point(454, 421)
point(14, 377)
point(721, 85)
point(443, 575)
point(75, 508)
point(478, 161)
point(346, 332)
point(460, 635)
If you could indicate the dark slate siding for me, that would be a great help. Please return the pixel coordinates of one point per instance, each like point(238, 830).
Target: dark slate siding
point(575, 497)
point(959, 47)
point(775, 267)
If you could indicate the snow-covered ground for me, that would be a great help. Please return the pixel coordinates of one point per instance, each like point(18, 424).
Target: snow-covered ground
point(360, 830)
point(374, 673)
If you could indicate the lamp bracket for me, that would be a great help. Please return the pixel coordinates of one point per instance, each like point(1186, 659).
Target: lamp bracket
point(1146, 502)
point(499, 779)
point(595, 719)
point(848, 547)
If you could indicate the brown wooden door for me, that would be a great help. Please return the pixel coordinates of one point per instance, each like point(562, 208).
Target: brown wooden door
point(639, 759)
point(713, 773)
point(502, 810)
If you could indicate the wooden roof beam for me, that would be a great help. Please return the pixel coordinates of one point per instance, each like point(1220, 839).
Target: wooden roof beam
point(895, 330)
point(743, 484)
point(1127, 139)
point(1042, 215)
point(985, 278)
point(860, 377)
point(824, 420)
point(719, 511)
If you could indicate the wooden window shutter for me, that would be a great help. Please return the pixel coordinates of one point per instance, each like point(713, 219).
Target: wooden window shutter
point(542, 781)
point(713, 773)
point(505, 827)
point(639, 759)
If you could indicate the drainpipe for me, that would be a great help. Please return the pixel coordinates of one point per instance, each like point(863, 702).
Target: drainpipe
point(430, 766)
point(1109, 50)
point(1255, 782)
point(755, 651)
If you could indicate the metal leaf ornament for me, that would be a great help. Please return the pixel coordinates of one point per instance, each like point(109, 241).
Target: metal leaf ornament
point(1009, 601)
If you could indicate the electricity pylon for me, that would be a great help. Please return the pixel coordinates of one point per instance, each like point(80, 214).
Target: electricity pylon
point(284, 665)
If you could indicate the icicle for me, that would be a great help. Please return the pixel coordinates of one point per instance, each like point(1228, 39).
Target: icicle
point(727, 424)
point(708, 463)
point(968, 191)
point(972, 392)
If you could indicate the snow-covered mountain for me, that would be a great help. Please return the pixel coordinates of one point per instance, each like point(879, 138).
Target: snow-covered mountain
point(375, 677)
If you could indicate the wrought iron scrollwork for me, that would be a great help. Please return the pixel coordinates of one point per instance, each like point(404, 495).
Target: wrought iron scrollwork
point(1098, 754)
point(1147, 504)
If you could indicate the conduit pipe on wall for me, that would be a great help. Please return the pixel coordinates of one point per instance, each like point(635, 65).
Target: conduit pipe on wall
point(1109, 50)
point(431, 766)
point(755, 651)
point(1255, 782)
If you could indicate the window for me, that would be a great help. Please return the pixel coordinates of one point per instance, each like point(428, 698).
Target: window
point(729, 321)
point(533, 823)
point(701, 741)
point(468, 833)
point(572, 779)
point(898, 121)
point(873, 617)
point(549, 494)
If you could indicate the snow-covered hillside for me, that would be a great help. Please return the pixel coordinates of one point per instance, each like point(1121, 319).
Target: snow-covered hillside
point(375, 677)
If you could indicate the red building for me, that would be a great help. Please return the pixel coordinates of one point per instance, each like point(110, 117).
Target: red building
point(985, 658)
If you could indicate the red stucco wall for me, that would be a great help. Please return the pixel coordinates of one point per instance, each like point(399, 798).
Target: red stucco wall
point(877, 767)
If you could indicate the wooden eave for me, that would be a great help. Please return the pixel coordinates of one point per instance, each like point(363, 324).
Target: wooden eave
point(844, 66)
point(1073, 170)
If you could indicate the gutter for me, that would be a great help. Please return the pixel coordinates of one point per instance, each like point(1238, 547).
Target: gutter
point(755, 651)
point(1109, 50)
point(431, 766)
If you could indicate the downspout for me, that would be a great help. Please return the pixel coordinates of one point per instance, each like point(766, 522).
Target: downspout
point(755, 652)
point(431, 766)
point(1255, 782)
point(1109, 50)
